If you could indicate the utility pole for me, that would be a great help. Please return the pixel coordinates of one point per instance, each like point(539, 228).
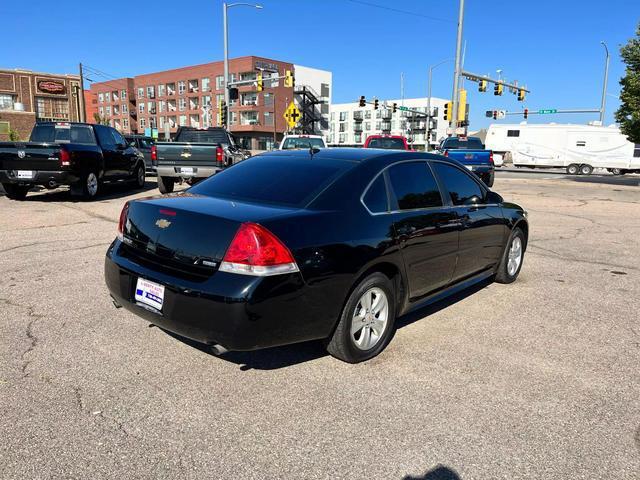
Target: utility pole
point(275, 121)
point(456, 74)
point(604, 85)
point(82, 113)
point(226, 56)
point(428, 129)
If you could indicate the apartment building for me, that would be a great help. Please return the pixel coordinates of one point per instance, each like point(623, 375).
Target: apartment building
point(189, 96)
point(351, 124)
point(27, 97)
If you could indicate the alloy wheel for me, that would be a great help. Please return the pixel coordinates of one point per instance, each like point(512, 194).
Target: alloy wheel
point(515, 256)
point(92, 184)
point(370, 319)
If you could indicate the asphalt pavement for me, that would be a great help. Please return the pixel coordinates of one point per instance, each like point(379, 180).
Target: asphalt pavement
point(539, 379)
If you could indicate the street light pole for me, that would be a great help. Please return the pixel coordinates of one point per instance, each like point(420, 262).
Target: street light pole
point(604, 85)
point(225, 28)
point(428, 130)
point(456, 73)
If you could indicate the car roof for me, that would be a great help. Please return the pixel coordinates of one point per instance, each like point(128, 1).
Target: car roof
point(357, 155)
point(302, 135)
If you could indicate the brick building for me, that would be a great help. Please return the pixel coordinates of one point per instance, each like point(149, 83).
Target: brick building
point(189, 96)
point(27, 97)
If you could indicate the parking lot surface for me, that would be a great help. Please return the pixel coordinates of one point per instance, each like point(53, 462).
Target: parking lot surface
point(538, 379)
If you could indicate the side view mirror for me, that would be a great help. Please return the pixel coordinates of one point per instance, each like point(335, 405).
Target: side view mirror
point(493, 197)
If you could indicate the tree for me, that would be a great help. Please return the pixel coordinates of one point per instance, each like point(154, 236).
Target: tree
point(14, 136)
point(100, 120)
point(628, 115)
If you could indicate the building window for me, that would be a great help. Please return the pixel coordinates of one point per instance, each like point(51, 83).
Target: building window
point(161, 90)
point(378, 126)
point(249, 118)
point(194, 120)
point(141, 107)
point(116, 110)
point(265, 143)
point(333, 116)
point(182, 104)
point(172, 121)
point(249, 99)
point(206, 101)
point(268, 99)
point(143, 122)
point(140, 92)
point(357, 137)
point(123, 94)
point(219, 82)
point(248, 76)
point(115, 96)
point(219, 98)
point(343, 127)
point(194, 103)
point(341, 138)
point(151, 91)
point(234, 118)
point(343, 116)
point(162, 106)
point(183, 120)
point(268, 119)
point(125, 123)
point(171, 88)
point(181, 87)
point(205, 84)
point(367, 114)
point(125, 109)
point(367, 126)
point(151, 107)
point(161, 123)
point(100, 97)
point(101, 111)
point(171, 105)
point(274, 80)
point(6, 102)
point(108, 110)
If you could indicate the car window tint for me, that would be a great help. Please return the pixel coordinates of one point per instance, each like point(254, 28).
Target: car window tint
point(117, 138)
point(414, 186)
point(387, 143)
point(469, 143)
point(277, 180)
point(459, 184)
point(82, 135)
point(376, 197)
point(104, 136)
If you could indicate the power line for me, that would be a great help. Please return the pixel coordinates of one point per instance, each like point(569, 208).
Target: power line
point(397, 10)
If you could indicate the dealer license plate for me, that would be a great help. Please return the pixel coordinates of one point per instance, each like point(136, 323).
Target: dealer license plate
point(150, 293)
point(187, 171)
point(25, 173)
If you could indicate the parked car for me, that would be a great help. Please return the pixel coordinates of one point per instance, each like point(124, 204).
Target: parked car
point(195, 154)
point(80, 155)
point(145, 146)
point(279, 249)
point(295, 142)
point(470, 151)
point(390, 142)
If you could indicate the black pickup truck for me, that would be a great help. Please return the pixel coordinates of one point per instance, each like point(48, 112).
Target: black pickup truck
point(80, 155)
point(195, 154)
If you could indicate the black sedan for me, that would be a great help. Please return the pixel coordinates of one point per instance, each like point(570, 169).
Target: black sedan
point(295, 245)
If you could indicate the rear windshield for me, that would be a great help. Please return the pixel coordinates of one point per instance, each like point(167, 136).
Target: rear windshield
point(276, 180)
point(63, 134)
point(388, 143)
point(468, 144)
point(203, 136)
point(302, 142)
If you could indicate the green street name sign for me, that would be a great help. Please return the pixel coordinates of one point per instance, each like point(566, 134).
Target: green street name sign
point(549, 110)
point(403, 108)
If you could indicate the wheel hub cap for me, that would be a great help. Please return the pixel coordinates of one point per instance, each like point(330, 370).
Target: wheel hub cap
point(369, 320)
point(515, 256)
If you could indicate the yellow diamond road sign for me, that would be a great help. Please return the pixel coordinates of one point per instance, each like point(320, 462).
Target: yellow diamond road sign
point(292, 115)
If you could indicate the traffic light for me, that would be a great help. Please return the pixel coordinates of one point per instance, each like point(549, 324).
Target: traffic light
point(521, 94)
point(363, 101)
point(222, 113)
point(482, 86)
point(495, 114)
point(462, 105)
point(498, 89)
point(289, 79)
point(394, 107)
point(448, 111)
point(376, 104)
point(259, 82)
point(526, 113)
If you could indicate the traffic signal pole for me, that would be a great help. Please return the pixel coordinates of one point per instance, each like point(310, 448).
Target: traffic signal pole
point(457, 68)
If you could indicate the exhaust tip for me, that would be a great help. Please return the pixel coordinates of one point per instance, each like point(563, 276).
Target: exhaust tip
point(218, 350)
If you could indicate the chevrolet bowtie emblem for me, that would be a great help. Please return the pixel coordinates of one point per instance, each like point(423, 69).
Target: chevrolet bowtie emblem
point(185, 154)
point(162, 223)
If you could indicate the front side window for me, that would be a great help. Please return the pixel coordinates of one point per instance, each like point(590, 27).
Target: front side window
point(414, 186)
point(463, 189)
point(376, 196)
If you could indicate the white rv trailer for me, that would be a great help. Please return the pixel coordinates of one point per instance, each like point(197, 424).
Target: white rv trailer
point(577, 148)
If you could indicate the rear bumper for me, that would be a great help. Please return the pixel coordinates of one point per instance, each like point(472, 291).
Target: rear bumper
point(175, 171)
point(239, 312)
point(40, 177)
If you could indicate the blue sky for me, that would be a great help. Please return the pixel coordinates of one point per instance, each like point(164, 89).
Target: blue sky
point(552, 46)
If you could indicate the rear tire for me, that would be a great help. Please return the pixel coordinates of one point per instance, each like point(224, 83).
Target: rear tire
point(585, 169)
point(16, 192)
point(89, 185)
point(139, 176)
point(573, 169)
point(366, 322)
point(512, 258)
point(166, 184)
point(490, 180)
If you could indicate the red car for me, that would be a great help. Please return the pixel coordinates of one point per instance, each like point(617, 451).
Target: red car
point(388, 142)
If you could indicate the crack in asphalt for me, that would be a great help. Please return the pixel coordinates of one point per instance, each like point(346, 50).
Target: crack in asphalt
point(568, 258)
point(28, 245)
point(72, 249)
point(33, 339)
point(91, 214)
point(43, 226)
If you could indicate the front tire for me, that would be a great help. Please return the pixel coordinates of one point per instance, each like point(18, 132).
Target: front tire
point(366, 322)
point(16, 192)
point(166, 184)
point(512, 258)
point(573, 169)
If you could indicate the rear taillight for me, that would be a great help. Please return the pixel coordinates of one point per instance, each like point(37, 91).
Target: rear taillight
point(154, 154)
point(219, 155)
point(256, 251)
point(491, 158)
point(65, 157)
point(122, 221)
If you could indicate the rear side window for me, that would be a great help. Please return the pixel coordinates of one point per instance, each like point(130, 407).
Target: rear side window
point(302, 142)
point(376, 196)
point(292, 181)
point(105, 137)
point(414, 186)
point(62, 134)
point(470, 143)
point(387, 143)
point(461, 187)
